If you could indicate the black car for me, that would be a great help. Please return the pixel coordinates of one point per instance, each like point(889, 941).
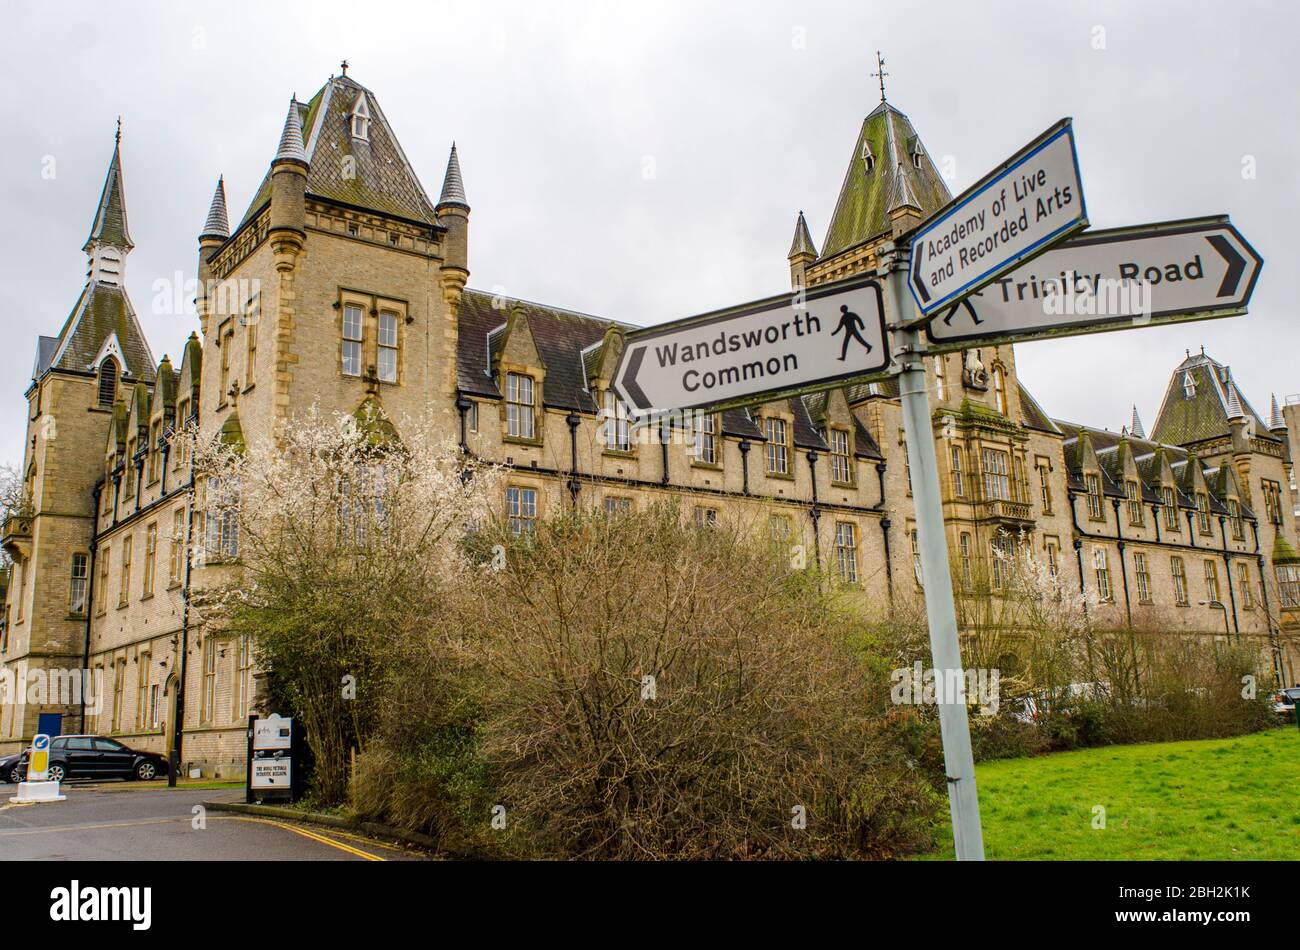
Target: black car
point(97, 757)
point(9, 768)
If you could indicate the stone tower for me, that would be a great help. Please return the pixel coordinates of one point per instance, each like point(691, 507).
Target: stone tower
point(80, 380)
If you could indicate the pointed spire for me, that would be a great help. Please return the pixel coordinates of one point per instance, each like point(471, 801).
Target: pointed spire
point(453, 187)
point(1275, 420)
point(109, 227)
point(802, 245)
point(291, 147)
point(1135, 426)
point(1234, 402)
point(218, 223)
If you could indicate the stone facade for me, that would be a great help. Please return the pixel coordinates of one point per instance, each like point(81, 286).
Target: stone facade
point(345, 284)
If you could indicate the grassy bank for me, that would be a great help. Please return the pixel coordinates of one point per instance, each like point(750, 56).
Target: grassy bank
point(1220, 799)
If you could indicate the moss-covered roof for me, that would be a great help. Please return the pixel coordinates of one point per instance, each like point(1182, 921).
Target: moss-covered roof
point(1283, 552)
point(867, 195)
point(1196, 404)
point(232, 433)
point(370, 172)
point(1032, 414)
point(374, 425)
point(101, 312)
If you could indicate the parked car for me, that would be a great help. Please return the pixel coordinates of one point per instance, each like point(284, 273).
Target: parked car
point(9, 768)
point(1285, 700)
point(98, 757)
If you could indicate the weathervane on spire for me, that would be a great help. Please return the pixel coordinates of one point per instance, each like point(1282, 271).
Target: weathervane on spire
point(118, 137)
point(344, 66)
point(880, 74)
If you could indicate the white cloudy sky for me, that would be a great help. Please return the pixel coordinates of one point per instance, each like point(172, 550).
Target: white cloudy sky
point(747, 112)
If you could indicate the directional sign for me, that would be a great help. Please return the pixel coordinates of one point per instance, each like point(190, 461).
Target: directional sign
point(1012, 214)
point(793, 342)
point(38, 768)
point(1102, 280)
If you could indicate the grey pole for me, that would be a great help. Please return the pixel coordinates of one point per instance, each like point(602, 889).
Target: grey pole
point(945, 651)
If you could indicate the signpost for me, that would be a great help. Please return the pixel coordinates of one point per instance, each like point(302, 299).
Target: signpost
point(968, 270)
point(1013, 213)
point(272, 743)
point(792, 343)
point(1105, 280)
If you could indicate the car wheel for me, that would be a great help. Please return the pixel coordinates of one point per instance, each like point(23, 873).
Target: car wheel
point(15, 776)
point(146, 771)
point(56, 773)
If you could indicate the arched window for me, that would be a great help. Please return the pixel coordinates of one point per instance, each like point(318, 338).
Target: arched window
point(107, 381)
point(1000, 388)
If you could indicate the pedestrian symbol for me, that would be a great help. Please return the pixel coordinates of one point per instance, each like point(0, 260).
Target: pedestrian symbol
point(850, 323)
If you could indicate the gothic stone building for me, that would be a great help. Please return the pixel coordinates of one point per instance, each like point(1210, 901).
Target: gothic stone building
point(350, 289)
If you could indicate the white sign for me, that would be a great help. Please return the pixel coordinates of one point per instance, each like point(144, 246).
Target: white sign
point(1156, 273)
point(787, 343)
point(273, 732)
point(1015, 212)
point(271, 773)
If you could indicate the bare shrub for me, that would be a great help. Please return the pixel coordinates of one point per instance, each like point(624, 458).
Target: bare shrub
point(647, 689)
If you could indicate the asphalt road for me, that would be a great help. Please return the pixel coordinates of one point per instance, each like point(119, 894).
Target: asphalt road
point(129, 822)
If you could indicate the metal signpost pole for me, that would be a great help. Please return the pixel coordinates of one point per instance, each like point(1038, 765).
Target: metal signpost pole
point(945, 650)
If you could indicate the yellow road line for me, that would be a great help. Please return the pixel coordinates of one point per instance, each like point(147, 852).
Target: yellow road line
point(92, 826)
point(309, 834)
point(89, 826)
point(370, 841)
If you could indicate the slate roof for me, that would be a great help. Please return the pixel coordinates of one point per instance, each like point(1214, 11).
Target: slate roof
point(109, 225)
point(805, 433)
point(101, 311)
point(453, 186)
point(1032, 413)
point(866, 198)
point(1145, 452)
point(1183, 420)
point(739, 423)
point(45, 348)
point(567, 344)
point(382, 179)
point(802, 242)
point(864, 446)
point(218, 222)
point(560, 335)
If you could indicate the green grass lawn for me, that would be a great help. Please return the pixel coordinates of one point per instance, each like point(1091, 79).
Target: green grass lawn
point(1220, 799)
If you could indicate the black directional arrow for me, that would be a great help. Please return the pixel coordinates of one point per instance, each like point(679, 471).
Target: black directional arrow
point(1152, 273)
point(1236, 264)
point(917, 280)
point(630, 385)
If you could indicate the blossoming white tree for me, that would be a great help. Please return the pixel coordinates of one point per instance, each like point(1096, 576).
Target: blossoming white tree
point(325, 543)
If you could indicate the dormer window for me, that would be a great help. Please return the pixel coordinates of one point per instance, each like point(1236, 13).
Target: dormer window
point(916, 157)
point(107, 382)
point(361, 118)
point(868, 159)
point(1189, 385)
